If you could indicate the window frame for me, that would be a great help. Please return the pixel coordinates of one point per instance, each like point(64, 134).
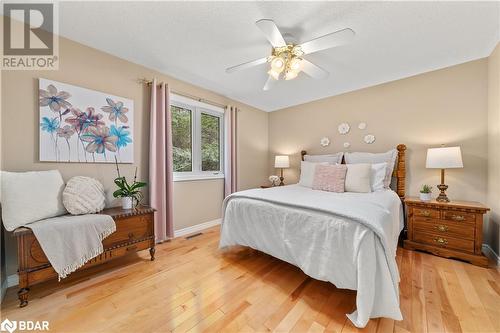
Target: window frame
point(197, 108)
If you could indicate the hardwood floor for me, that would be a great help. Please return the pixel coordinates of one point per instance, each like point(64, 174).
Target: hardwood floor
point(193, 287)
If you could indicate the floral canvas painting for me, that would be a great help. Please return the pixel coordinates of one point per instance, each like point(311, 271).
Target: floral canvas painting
point(84, 126)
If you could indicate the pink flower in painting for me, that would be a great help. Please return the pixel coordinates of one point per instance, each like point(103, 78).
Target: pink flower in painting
point(65, 132)
point(99, 140)
point(116, 110)
point(55, 100)
point(82, 120)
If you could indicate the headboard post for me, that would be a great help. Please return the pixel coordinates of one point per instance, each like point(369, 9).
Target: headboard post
point(302, 154)
point(401, 171)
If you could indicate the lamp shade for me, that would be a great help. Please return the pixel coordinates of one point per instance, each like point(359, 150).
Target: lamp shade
point(281, 161)
point(444, 158)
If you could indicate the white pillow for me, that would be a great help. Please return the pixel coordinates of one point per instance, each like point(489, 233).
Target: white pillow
point(372, 158)
point(31, 196)
point(378, 172)
point(307, 172)
point(83, 195)
point(357, 178)
point(331, 158)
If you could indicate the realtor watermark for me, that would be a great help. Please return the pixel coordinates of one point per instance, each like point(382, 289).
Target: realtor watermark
point(23, 325)
point(30, 36)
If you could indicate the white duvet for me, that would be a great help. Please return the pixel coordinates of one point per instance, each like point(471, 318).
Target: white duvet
point(348, 239)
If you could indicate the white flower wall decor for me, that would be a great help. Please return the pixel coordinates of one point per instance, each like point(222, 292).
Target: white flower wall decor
point(344, 128)
point(362, 126)
point(347, 144)
point(324, 142)
point(369, 139)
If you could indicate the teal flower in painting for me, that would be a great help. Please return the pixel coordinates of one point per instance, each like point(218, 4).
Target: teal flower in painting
point(122, 134)
point(116, 110)
point(49, 125)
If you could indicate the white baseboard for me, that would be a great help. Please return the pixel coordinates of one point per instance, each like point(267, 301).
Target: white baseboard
point(12, 280)
point(490, 253)
point(196, 228)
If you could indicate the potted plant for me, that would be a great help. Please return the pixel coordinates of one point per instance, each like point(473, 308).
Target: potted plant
point(425, 193)
point(128, 192)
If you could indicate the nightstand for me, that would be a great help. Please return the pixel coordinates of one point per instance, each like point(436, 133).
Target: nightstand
point(447, 229)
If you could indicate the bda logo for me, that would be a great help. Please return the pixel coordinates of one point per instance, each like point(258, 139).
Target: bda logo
point(8, 325)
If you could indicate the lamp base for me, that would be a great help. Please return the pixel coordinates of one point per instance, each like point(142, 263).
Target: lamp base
point(442, 197)
point(282, 183)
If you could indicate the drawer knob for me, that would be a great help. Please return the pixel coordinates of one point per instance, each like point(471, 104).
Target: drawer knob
point(426, 213)
point(441, 241)
point(130, 235)
point(458, 217)
point(441, 228)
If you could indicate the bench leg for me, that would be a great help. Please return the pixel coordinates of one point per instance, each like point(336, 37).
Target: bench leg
point(22, 294)
point(152, 253)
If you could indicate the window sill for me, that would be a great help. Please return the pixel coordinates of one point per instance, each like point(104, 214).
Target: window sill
point(187, 178)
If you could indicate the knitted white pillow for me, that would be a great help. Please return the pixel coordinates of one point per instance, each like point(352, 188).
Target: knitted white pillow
point(83, 195)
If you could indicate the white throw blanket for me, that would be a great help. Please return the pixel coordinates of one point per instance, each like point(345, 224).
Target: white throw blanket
point(70, 241)
point(348, 239)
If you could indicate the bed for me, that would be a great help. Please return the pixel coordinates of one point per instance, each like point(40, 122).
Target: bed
point(348, 239)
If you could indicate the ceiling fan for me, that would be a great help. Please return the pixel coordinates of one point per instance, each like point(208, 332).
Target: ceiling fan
point(286, 59)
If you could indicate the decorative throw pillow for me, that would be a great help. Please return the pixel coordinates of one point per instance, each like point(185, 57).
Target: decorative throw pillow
point(357, 178)
point(330, 178)
point(389, 157)
point(330, 158)
point(378, 174)
point(30, 196)
point(83, 195)
point(307, 172)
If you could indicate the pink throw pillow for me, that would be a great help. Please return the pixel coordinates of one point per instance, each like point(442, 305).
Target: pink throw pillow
point(330, 178)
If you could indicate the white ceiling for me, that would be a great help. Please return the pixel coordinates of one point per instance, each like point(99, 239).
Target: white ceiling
point(196, 41)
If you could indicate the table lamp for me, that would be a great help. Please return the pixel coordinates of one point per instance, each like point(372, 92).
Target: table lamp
point(443, 158)
point(281, 162)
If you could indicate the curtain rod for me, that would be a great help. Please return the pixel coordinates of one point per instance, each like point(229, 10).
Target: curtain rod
point(196, 98)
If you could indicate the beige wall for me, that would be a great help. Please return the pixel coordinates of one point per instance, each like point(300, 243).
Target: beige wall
point(445, 106)
point(493, 227)
point(90, 68)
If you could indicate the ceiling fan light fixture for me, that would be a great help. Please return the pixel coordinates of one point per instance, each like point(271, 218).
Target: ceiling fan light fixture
point(291, 74)
point(278, 64)
point(274, 74)
point(296, 64)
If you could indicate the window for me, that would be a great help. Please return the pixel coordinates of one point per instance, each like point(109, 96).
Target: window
point(197, 139)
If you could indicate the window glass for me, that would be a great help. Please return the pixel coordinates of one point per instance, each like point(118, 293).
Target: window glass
point(182, 139)
point(210, 142)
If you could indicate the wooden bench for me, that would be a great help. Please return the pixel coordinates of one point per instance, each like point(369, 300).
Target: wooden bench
point(134, 232)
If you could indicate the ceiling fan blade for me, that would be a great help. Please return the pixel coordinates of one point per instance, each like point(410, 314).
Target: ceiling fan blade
point(328, 41)
point(271, 32)
point(246, 65)
point(270, 83)
point(313, 71)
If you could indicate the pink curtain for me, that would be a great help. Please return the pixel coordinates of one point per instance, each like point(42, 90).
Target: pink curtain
point(160, 161)
point(230, 184)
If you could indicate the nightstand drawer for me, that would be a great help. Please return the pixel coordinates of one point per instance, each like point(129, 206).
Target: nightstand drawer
point(465, 245)
point(458, 216)
point(426, 212)
point(444, 228)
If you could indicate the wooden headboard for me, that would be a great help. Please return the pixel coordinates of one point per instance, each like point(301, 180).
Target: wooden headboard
point(399, 171)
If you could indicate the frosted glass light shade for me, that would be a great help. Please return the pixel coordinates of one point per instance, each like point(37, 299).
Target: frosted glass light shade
point(281, 161)
point(444, 158)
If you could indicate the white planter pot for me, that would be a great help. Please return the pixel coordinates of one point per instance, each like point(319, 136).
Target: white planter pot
point(127, 203)
point(425, 196)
